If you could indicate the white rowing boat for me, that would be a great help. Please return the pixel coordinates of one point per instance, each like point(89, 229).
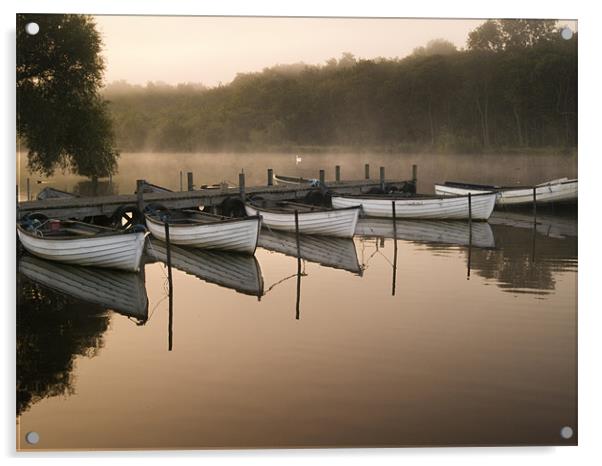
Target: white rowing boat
point(454, 232)
point(560, 190)
point(420, 206)
point(338, 253)
point(295, 181)
point(123, 292)
point(81, 243)
point(313, 220)
point(198, 229)
point(238, 272)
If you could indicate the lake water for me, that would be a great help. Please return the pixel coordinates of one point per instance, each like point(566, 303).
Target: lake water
point(441, 343)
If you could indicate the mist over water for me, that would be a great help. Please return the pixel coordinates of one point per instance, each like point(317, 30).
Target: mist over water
point(164, 168)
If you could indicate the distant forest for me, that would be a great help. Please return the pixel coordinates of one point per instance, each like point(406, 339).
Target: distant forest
point(513, 87)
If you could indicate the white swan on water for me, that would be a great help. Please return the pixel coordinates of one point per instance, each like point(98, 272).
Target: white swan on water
point(298, 159)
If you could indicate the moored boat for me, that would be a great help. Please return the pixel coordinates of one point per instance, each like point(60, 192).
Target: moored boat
point(80, 243)
point(560, 190)
point(418, 206)
point(295, 180)
point(313, 220)
point(123, 292)
point(198, 229)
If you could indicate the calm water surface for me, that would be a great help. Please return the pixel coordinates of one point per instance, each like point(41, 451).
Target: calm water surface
point(440, 344)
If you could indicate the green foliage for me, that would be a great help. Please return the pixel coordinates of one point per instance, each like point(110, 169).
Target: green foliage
point(61, 117)
point(511, 93)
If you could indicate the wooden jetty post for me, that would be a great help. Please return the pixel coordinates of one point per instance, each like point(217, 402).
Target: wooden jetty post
point(337, 173)
point(322, 177)
point(414, 173)
point(170, 283)
point(181, 184)
point(534, 223)
point(469, 235)
point(367, 171)
point(382, 179)
point(394, 248)
point(140, 195)
point(190, 181)
point(28, 191)
point(270, 177)
point(298, 302)
point(241, 185)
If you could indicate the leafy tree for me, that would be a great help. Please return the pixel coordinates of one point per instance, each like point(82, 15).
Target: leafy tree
point(507, 34)
point(61, 115)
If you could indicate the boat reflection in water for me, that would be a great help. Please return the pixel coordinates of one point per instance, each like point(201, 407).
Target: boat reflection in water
point(62, 314)
point(328, 251)
point(123, 292)
point(530, 252)
point(239, 272)
point(453, 232)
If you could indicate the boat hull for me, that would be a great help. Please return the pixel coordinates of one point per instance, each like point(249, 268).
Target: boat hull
point(552, 192)
point(239, 235)
point(449, 208)
point(118, 251)
point(339, 222)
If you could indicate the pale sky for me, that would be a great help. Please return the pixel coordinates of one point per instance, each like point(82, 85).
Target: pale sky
point(209, 50)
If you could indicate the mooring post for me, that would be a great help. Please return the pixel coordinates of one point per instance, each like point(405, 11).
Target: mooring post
point(140, 194)
point(394, 248)
point(298, 239)
point(367, 171)
point(270, 177)
point(241, 185)
point(382, 179)
point(414, 173)
point(298, 302)
point(28, 190)
point(337, 173)
point(181, 183)
point(170, 284)
point(190, 181)
point(322, 177)
point(469, 235)
point(534, 204)
point(470, 209)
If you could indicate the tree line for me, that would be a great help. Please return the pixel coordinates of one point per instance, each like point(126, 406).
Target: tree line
point(514, 87)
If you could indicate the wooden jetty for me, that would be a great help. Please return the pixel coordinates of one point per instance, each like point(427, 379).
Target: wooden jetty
point(116, 205)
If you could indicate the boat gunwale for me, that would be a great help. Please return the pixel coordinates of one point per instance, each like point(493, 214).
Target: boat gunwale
point(411, 197)
point(151, 218)
point(279, 212)
point(102, 234)
point(493, 188)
